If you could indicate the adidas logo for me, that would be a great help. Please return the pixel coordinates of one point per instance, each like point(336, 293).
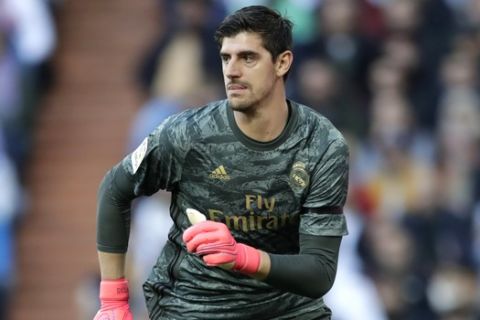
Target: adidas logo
point(220, 173)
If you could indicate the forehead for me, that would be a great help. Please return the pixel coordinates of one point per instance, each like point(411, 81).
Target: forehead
point(241, 42)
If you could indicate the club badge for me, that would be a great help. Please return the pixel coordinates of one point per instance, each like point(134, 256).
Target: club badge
point(299, 177)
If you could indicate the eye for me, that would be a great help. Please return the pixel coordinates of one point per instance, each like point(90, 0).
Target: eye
point(249, 58)
point(224, 58)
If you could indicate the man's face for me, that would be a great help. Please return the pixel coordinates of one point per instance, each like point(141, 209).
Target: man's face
point(248, 71)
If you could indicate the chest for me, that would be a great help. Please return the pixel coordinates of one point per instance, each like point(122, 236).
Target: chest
point(230, 180)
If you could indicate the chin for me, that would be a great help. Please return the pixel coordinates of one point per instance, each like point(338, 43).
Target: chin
point(240, 107)
point(240, 104)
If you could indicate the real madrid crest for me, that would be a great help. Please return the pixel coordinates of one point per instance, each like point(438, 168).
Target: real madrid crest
point(299, 177)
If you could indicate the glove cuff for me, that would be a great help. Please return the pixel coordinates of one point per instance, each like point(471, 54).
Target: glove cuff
point(248, 259)
point(114, 290)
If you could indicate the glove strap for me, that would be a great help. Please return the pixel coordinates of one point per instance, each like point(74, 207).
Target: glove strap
point(248, 259)
point(114, 290)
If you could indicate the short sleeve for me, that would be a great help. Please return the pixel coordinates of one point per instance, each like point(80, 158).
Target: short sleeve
point(157, 162)
point(323, 208)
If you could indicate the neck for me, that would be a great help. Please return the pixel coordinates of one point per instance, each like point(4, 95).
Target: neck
point(267, 120)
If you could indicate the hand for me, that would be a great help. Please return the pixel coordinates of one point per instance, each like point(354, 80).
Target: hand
point(215, 243)
point(114, 301)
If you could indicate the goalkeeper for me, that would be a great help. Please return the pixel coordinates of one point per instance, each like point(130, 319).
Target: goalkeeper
point(269, 177)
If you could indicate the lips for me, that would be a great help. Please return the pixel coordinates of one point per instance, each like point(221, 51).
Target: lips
point(236, 86)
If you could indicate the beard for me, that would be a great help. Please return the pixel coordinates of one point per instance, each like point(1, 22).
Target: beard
point(245, 103)
point(248, 101)
point(240, 105)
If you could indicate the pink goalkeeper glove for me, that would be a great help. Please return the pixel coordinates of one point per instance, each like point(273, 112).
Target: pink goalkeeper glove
point(114, 301)
point(216, 244)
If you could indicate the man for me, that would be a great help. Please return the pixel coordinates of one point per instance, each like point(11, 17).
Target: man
point(270, 175)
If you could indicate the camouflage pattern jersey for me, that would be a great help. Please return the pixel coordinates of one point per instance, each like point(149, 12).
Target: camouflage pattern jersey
point(261, 191)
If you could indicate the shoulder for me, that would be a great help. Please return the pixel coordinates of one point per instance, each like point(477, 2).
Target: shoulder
point(190, 123)
point(317, 127)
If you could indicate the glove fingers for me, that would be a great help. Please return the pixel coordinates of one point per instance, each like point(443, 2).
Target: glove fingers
point(211, 237)
point(209, 248)
point(205, 226)
point(219, 258)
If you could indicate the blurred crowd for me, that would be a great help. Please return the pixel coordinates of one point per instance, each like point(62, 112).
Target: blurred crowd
point(28, 39)
point(399, 78)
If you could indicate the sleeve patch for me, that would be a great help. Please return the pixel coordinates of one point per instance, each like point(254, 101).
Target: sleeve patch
point(138, 155)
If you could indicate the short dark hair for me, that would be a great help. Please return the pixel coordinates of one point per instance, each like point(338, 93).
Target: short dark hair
point(274, 29)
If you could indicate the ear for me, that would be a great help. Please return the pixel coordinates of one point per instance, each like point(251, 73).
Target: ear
point(283, 62)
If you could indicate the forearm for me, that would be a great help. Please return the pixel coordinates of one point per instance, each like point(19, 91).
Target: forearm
point(112, 265)
point(310, 273)
point(113, 291)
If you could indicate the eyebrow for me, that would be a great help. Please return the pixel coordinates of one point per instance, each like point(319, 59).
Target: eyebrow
point(241, 53)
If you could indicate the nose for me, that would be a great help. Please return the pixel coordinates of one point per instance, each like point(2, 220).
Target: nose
point(232, 70)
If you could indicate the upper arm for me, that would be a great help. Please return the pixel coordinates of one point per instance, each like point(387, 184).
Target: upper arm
point(157, 161)
point(323, 208)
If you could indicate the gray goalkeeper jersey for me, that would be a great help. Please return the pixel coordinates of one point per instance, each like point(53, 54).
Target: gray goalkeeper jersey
point(266, 193)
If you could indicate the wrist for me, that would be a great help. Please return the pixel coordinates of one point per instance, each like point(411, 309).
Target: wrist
point(264, 268)
point(114, 290)
point(114, 300)
point(248, 260)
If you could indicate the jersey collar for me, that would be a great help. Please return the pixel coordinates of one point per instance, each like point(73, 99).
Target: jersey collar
point(261, 145)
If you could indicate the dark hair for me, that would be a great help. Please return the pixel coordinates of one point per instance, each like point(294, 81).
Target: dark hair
point(275, 30)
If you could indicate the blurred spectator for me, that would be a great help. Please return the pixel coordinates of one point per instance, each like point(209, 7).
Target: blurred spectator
point(403, 53)
point(10, 99)
point(402, 16)
point(319, 86)
point(301, 13)
point(453, 293)
point(385, 77)
point(185, 48)
point(10, 205)
point(390, 263)
point(32, 29)
point(467, 13)
point(354, 295)
point(394, 164)
point(27, 42)
point(338, 41)
point(429, 24)
point(458, 131)
point(31, 39)
point(233, 5)
point(217, 10)
point(458, 73)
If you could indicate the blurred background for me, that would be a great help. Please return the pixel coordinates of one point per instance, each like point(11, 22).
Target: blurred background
point(82, 82)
